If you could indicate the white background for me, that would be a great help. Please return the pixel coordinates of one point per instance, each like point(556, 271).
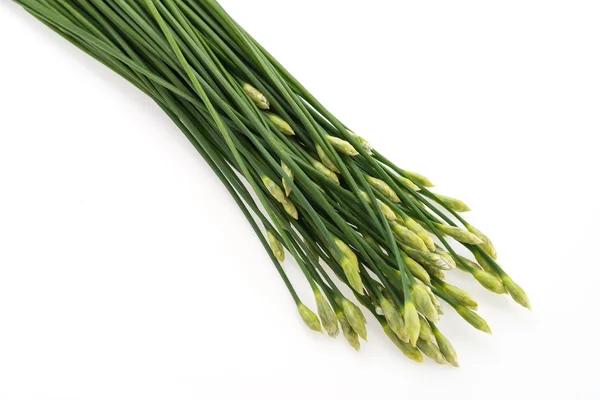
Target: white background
point(127, 272)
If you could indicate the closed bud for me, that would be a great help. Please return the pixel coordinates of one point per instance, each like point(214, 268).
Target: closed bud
point(408, 237)
point(288, 172)
point(325, 159)
point(290, 208)
point(421, 232)
point(483, 262)
point(349, 333)
point(309, 318)
point(283, 126)
point(445, 347)
point(276, 246)
point(409, 184)
point(325, 171)
point(429, 260)
point(394, 319)
point(459, 234)
point(446, 257)
point(355, 318)
point(516, 292)
point(384, 188)
point(425, 333)
point(342, 146)
point(407, 349)
point(411, 321)
point(363, 143)
point(469, 264)
point(486, 244)
point(459, 295)
point(418, 178)
point(431, 351)
point(453, 204)
point(415, 268)
point(328, 318)
point(353, 275)
point(489, 281)
point(274, 189)
point(423, 302)
point(257, 97)
point(473, 318)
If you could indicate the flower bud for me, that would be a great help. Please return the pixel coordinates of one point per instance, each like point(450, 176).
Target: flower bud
point(446, 257)
point(516, 292)
point(489, 281)
point(484, 263)
point(431, 351)
point(425, 332)
point(325, 159)
point(309, 318)
point(273, 189)
point(408, 350)
point(408, 237)
point(445, 347)
point(418, 178)
point(459, 295)
point(421, 232)
point(384, 188)
point(257, 97)
point(364, 144)
point(326, 314)
point(355, 318)
point(394, 319)
point(487, 244)
point(325, 171)
point(470, 264)
point(342, 146)
point(283, 126)
point(411, 321)
point(276, 246)
point(423, 302)
point(459, 234)
point(288, 172)
point(352, 274)
point(349, 333)
point(415, 268)
point(290, 208)
point(473, 318)
point(453, 204)
point(410, 184)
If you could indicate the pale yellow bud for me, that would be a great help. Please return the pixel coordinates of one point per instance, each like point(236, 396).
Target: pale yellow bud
point(283, 126)
point(459, 234)
point(421, 232)
point(288, 172)
point(325, 159)
point(411, 321)
point(423, 302)
point(415, 268)
point(326, 314)
point(420, 179)
point(446, 347)
point(425, 333)
point(473, 318)
point(453, 204)
point(342, 146)
point(384, 188)
point(290, 208)
point(408, 350)
point(394, 319)
point(349, 333)
point(431, 351)
point(355, 318)
point(276, 246)
point(408, 237)
point(489, 281)
point(274, 189)
point(325, 171)
point(459, 295)
point(516, 292)
point(486, 244)
point(257, 97)
point(410, 184)
point(309, 318)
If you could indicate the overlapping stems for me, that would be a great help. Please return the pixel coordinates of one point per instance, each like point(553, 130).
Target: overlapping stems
point(323, 194)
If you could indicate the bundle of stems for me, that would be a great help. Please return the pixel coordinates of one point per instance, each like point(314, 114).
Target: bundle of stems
point(345, 213)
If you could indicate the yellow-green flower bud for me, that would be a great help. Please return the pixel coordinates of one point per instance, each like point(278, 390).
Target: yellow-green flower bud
point(446, 347)
point(423, 302)
point(421, 232)
point(388, 213)
point(394, 319)
point(309, 318)
point(459, 295)
point(415, 268)
point(342, 146)
point(325, 159)
point(516, 292)
point(410, 184)
point(420, 179)
point(288, 172)
point(257, 97)
point(431, 351)
point(429, 260)
point(446, 257)
point(355, 318)
point(486, 244)
point(364, 144)
point(473, 318)
point(328, 318)
point(411, 321)
point(408, 350)
point(469, 263)
point(459, 234)
point(484, 264)
point(290, 208)
point(274, 189)
point(489, 281)
point(283, 126)
point(276, 246)
point(349, 333)
point(384, 188)
point(408, 237)
point(425, 333)
point(352, 274)
point(325, 171)
point(453, 204)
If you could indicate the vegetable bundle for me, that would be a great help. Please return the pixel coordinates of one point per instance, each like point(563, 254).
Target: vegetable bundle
point(344, 212)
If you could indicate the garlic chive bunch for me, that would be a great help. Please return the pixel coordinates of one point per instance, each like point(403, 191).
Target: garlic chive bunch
point(312, 190)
